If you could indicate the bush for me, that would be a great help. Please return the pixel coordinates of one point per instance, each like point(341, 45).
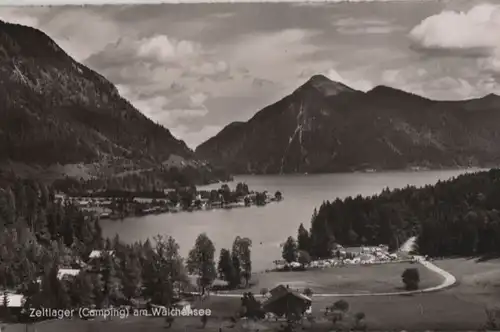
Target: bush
point(359, 316)
point(492, 319)
point(359, 322)
point(304, 258)
point(411, 278)
point(341, 305)
point(169, 320)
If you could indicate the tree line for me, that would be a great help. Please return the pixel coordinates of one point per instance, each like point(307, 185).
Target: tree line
point(460, 216)
point(153, 179)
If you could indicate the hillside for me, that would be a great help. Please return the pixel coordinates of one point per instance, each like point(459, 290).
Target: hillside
point(458, 217)
point(325, 126)
point(59, 118)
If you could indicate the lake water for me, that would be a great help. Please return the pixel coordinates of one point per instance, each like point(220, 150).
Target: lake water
point(267, 226)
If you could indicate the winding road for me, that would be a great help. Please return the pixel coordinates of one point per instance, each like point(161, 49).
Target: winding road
point(449, 279)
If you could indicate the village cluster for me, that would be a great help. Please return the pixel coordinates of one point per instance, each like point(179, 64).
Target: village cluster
point(123, 204)
point(348, 256)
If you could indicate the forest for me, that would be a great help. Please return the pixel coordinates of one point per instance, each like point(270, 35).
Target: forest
point(153, 179)
point(458, 217)
point(39, 236)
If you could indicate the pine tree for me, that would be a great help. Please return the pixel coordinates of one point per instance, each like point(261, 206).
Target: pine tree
point(131, 280)
point(303, 239)
point(226, 268)
point(289, 252)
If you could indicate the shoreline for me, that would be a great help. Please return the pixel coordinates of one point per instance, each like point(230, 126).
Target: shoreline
point(382, 171)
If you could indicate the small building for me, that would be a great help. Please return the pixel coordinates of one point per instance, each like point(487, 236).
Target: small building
point(67, 272)
point(59, 197)
point(280, 264)
point(367, 258)
point(144, 200)
point(98, 253)
point(353, 251)
point(287, 302)
point(83, 202)
point(15, 302)
point(219, 284)
point(183, 305)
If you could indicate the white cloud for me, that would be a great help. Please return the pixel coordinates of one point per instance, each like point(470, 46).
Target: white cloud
point(476, 30)
point(366, 30)
point(82, 41)
point(148, 106)
point(270, 55)
point(162, 48)
point(198, 99)
point(188, 113)
point(156, 49)
point(473, 35)
point(355, 26)
point(193, 138)
point(355, 22)
point(66, 29)
point(207, 68)
point(491, 63)
point(16, 16)
point(358, 84)
point(438, 84)
point(157, 107)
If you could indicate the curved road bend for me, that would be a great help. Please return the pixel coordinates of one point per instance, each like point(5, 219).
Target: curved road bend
point(448, 281)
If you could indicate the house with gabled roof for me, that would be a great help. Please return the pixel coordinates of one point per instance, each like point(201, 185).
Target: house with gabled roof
point(287, 302)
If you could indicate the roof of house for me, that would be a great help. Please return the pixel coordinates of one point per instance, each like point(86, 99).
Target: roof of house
point(70, 272)
point(360, 249)
point(14, 300)
point(98, 253)
point(281, 291)
point(353, 249)
point(182, 303)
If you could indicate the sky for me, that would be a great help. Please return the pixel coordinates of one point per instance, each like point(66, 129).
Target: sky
point(195, 68)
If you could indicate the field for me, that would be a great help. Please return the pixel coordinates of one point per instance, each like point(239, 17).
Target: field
point(458, 308)
point(353, 279)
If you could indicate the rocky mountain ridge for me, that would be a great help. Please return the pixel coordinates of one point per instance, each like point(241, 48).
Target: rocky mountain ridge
point(326, 126)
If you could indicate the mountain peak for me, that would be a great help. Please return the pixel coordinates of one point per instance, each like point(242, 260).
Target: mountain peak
point(383, 129)
point(385, 91)
point(318, 78)
point(491, 96)
point(489, 101)
point(326, 86)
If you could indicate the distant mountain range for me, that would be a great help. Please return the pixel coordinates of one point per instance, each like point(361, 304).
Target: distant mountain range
point(59, 118)
point(326, 126)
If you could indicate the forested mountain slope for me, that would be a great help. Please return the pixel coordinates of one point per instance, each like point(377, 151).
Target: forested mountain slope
point(456, 217)
point(57, 114)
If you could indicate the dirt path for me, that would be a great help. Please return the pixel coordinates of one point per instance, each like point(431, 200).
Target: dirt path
point(409, 245)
